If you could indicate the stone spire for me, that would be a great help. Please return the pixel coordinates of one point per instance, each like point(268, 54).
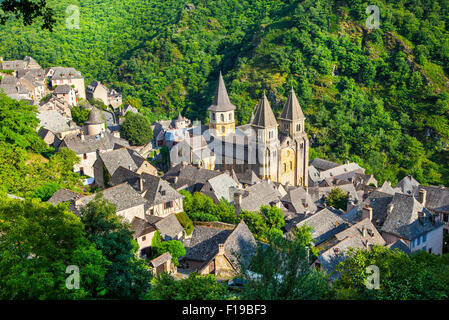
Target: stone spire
point(292, 110)
point(252, 117)
point(221, 101)
point(264, 116)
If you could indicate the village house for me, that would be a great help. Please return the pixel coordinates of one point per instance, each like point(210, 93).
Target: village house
point(28, 63)
point(110, 97)
point(219, 250)
point(53, 127)
point(162, 264)
point(51, 102)
point(168, 227)
point(169, 132)
point(69, 76)
point(109, 161)
point(251, 198)
point(129, 204)
point(188, 177)
point(65, 195)
point(12, 87)
point(66, 93)
point(143, 234)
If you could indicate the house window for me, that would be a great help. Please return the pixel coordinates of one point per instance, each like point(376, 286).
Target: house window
point(446, 217)
point(168, 205)
point(85, 156)
point(213, 116)
point(144, 238)
point(298, 127)
point(81, 171)
point(222, 117)
point(163, 193)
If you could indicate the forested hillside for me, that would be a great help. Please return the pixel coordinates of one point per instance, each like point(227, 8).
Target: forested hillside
point(378, 97)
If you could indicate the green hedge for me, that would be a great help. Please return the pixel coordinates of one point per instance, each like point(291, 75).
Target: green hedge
point(185, 221)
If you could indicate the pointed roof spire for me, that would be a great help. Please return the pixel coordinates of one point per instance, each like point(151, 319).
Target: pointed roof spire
point(292, 110)
point(252, 117)
point(180, 117)
point(221, 101)
point(264, 116)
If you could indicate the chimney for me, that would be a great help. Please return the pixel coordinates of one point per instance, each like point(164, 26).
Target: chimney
point(82, 136)
point(367, 212)
point(221, 249)
point(422, 196)
point(130, 168)
point(390, 208)
point(363, 232)
point(141, 184)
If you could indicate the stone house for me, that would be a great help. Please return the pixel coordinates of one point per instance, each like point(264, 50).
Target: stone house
point(143, 234)
point(162, 264)
point(110, 97)
point(69, 76)
point(66, 93)
point(219, 251)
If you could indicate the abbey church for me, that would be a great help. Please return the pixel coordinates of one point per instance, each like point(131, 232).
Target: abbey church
point(275, 150)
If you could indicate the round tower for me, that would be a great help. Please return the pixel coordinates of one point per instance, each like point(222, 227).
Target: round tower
point(95, 123)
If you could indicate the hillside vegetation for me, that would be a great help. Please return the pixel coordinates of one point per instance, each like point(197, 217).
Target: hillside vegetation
point(378, 97)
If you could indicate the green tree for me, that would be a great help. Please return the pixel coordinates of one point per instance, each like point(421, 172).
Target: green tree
point(337, 198)
point(280, 270)
point(195, 287)
point(175, 247)
point(45, 191)
point(128, 277)
point(38, 242)
point(136, 129)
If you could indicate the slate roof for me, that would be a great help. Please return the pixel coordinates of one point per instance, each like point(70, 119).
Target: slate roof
point(63, 89)
point(248, 177)
point(63, 195)
point(401, 246)
point(263, 193)
point(378, 201)
point(300, 199)
point(406, 185)
point(239, 244)
point(318, 193)
point(141, 227)
point(437, 198)
point(403, 220)
point(65, 73)
point(55, 122)
point(386, 188)
point(195, 178)
point(323, 165)
point(221, 185)
point(93, 143)
point(221, 101)
point(204, 242)
point(154, 188)
point(169, 226)
point(123, 157)
point(163, 258)
point(292, 110)
point(325, 225)
point(264, 116)
point(95, 116)
point(341, 169)
point(122, 175)
point(122, 196)
point(372, 235)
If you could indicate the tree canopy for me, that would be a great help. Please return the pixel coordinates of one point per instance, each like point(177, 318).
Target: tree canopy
point(136, 129)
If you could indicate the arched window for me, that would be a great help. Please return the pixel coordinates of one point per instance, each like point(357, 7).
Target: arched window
point(298, 127)
point(230, 116)
point(285, 167)
point(291, 165)
point(213, 116)
point(222, 117)
point(222, 128)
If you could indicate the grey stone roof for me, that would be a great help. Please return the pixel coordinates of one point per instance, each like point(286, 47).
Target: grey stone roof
point(406, 185)
point(95, 116)
point(204, 242)
point(122, 196)
point(221, 100)
point(318, 193)
point(123, 157)
point(325, 225)
point(63, 195)
point(221, 185)
point(401, 246)
point(163, 258)
point(437, 198)
point(292, 110)
point(240, 245)
point(263, 193)
point(65, 73)
point(403, 220)
point(386, 188)
point(264, 116)
point(63, 89)
point(195, 178)
point(372, 235)
point(300, 199)
point(323, 165)
point(169, 226)
point(55, 122)
point(157, 190)
point(141, 227)
point(122, 175)
point(248, 177)
point(92, 143)
point(378, 201)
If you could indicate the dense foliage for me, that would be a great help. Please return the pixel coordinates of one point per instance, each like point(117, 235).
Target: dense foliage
point(402, 277)
point(38, 242)
point(378, 97)
point(265, 223)
point(185, 221)
point(337, 198)
point(200, 207)
point(136, 129)
point(195, 287)
point(127, 277)
point(174, 247)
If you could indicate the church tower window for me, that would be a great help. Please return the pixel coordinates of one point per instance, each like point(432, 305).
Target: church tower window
point(222, 117)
